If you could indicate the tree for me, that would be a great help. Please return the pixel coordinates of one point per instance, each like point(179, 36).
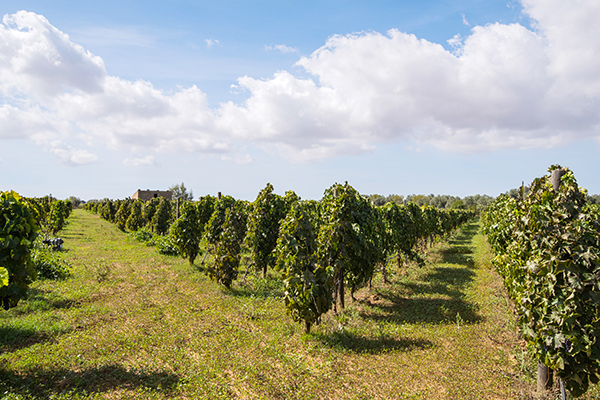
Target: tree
point(76, 201)
point(18, 230)
point(308, 285)
point(178, 191)
point(593, 199)
point(478, 202)
point(458, 205)
point(377, 199)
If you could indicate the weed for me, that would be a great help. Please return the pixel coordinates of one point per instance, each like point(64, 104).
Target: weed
point(102, 269)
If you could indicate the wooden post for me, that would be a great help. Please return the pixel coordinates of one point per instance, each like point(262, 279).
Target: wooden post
point(544, 378)
point(338, 278)
point(555, 178)
point(340, 290)
point(521, 190)
point(178, 207)
point(306, 327)
point(219, 196)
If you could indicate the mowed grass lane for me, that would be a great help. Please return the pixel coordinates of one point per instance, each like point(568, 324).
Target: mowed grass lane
point(131, 323)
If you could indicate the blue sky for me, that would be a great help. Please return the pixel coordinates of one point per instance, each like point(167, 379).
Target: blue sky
point(98, 99)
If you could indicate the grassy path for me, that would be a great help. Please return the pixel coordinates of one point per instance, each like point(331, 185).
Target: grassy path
point(134, 324)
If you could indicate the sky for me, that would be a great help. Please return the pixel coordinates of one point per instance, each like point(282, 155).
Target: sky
point(457, 97)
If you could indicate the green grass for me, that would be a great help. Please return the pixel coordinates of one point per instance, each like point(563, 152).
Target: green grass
point(130, 323)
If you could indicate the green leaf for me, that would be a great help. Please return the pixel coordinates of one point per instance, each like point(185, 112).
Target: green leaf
point(3, 277)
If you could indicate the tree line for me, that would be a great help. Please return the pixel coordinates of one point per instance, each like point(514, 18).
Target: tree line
point(475, 203)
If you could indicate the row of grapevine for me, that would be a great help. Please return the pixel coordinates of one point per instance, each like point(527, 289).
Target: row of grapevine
point(18, 230)
point(132, 215)
point(20, 260)
point(547, 249)
point(50, 214)
point(318, 246)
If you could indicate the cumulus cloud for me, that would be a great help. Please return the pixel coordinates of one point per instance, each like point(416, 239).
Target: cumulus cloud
point(41, 61)
point(282, 48)
point(455, 41)
point(69, 156)
point(503, 86)
point(54, 89)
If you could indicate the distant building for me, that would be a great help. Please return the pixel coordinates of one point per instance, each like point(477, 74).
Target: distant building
point(152, 194)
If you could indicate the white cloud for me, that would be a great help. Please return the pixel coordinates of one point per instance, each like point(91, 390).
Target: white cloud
point(464, 20)
point(54, 89)
point(136, 162)
point(505, 86)
point(456, 41)
point(282, 48)
point(70, 156)
point(211, 42)
point(26, 121)
point(41, 61)
point(242, 159)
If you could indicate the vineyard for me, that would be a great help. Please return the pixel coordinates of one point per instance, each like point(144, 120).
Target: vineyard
point(289, 298)
point(318, 247)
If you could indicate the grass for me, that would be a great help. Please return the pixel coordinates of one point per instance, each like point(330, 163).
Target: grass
point(131, 323)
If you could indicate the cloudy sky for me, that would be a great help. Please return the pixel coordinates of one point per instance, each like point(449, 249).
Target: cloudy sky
point(459, 97)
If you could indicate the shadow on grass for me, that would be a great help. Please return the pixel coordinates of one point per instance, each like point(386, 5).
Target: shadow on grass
point(460, 250)
point(447, 281)
point(424, 310)
point(461, 255)
point(437, 295)
point(465, 235)
point(344, 340)
point(15, 338)
point(29, 323)
point(46, 384)
point(40, 300)
point(71, 235)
